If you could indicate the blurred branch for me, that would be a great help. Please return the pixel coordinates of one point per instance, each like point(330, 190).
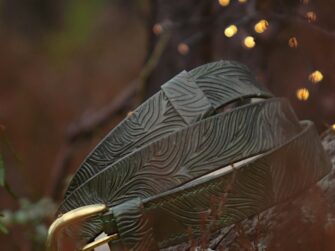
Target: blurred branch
point(4, 139)
point(88, 124)
point(152, 63)
point(216, 21)
point(31, 216)
point(3, 181)
point(63, 161)
point(300, 20)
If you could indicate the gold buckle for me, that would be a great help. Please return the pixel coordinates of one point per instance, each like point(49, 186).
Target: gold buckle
point(72, 217)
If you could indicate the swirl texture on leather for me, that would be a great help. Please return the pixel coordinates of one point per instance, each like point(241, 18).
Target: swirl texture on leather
point(178, 166)
point(220, 82)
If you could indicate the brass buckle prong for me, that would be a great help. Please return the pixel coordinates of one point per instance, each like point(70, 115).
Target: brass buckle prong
point(99, 242)
point(69, 218)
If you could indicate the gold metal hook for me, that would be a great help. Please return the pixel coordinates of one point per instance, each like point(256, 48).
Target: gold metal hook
point(99, 242)
point(72, 217)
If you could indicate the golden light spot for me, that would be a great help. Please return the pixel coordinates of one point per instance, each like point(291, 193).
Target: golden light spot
point(242, 1)
point(293, 42)
point(224, 2)
point(315, 77)
point(302, 94)
point(183, 48)
point(230, 30)
point(311, 16)
point(249, 42)
point(333, 127)
point(261, 26)
point(157, 29)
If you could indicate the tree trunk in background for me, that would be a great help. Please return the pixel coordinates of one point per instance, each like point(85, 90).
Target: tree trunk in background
point(32, 16)
point(282, 69)
point(171, 61)
point(304, 223)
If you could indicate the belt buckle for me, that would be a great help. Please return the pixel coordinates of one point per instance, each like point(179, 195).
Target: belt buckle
point(75, 216)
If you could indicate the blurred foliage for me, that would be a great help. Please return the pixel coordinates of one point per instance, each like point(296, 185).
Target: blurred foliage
point(2, 172)
point(85, 41)
point(40, 44)
point(78, 23)
point(31, 214)
point(3, 228)
point(31, 217)
point(79, 18)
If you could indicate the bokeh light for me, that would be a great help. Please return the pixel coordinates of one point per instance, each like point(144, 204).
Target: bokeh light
point(315, 77)
point(261, 26)
point(157, 29)
point(183, 48)
point(311, 16)
point(230, 31)
point(249, 42)
point(293, 42)
point(224, 2)
point(302, 94)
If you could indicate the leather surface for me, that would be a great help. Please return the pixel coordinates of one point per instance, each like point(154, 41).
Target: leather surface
point(187, 154)
point(199, 208)
point(153, 169)
point(221, 201)
point(221, 82)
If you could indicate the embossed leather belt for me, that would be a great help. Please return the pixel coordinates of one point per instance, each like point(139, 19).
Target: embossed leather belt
point(180, 165)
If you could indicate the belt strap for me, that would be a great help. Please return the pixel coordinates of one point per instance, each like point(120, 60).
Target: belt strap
point(215, 84)
point(230, 197)
point(187, 154)
point(224, 82)
point(201, 207)
point(165, 174)
point(134, 226)
point(187, 98)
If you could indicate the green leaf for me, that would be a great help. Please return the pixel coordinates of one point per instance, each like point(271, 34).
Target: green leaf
point(2, 173)
point(3, 228)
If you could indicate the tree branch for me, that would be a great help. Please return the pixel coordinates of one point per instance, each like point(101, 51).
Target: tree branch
point(88, 124)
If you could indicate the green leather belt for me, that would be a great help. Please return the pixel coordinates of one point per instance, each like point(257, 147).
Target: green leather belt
point(178, 168)
point(185, 99)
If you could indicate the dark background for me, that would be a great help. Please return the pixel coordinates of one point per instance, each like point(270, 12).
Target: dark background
point(71, 70)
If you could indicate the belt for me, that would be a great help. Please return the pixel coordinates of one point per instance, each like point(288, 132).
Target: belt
point(185, 99)
point(179, 168)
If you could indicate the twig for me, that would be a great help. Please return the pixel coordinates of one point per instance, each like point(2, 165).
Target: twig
point(301, 21)
point(88, 124)
point(63, 161)
point(152, 62)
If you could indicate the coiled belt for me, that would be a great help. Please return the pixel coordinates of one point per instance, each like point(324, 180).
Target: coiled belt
point(178, 167)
